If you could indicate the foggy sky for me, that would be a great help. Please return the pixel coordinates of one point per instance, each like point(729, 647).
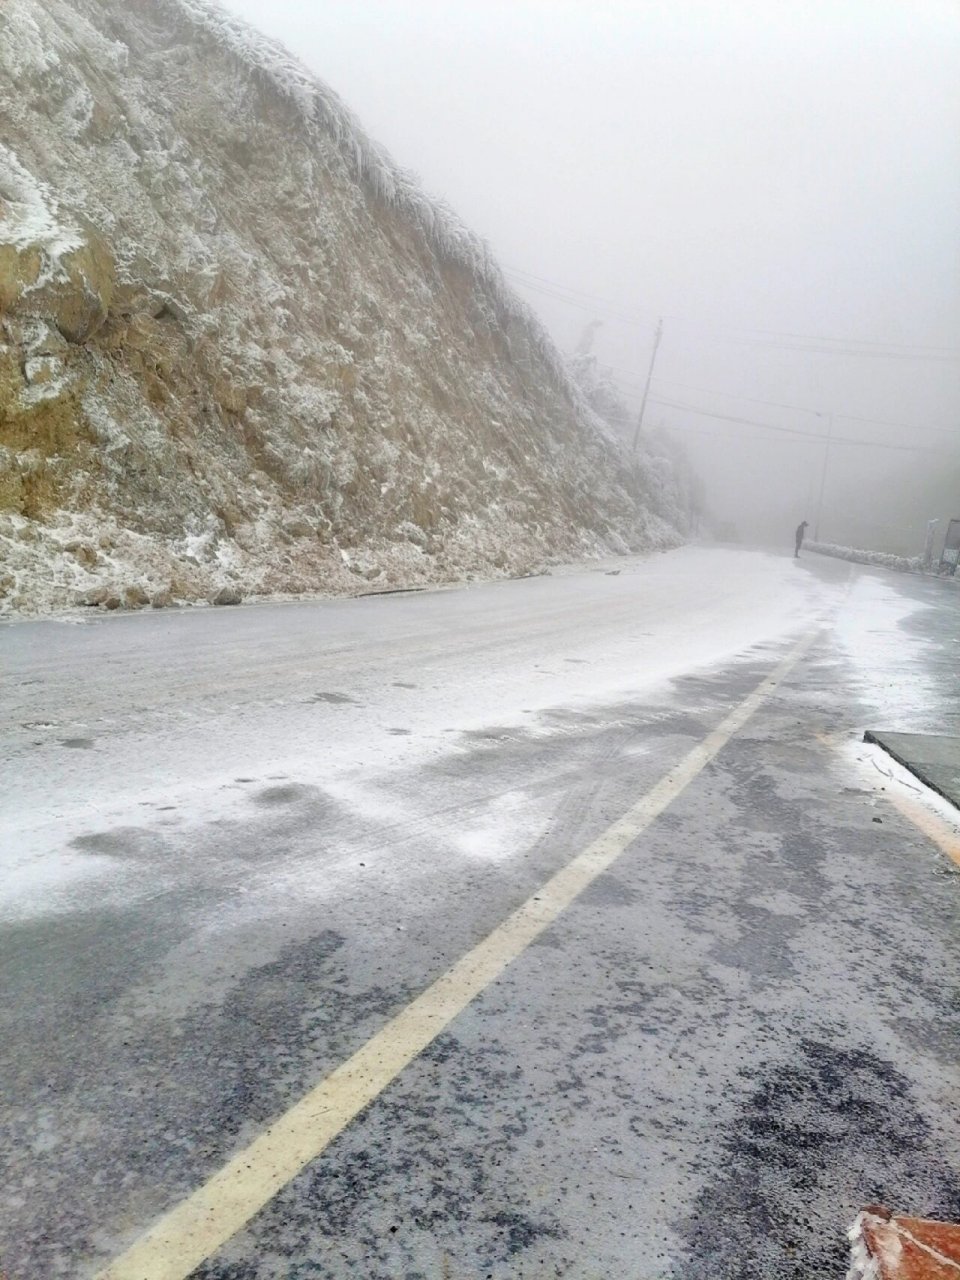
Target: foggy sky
point(792, 168)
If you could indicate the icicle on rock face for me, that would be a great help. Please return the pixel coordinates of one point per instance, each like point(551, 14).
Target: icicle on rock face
point(240, 348)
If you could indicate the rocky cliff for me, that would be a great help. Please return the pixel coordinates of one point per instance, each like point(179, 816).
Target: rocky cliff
point(241, 350)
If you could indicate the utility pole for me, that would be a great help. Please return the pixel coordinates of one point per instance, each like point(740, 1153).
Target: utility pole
point(823, 477)
point(643, 403)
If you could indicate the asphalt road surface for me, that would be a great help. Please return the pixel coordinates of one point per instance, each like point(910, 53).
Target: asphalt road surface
point(639, 963)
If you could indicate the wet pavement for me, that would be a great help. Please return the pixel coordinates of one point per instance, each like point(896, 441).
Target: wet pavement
point(739, 1035)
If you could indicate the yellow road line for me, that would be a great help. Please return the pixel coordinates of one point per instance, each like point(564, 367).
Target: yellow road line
point(929, 823)
point(192, 1231)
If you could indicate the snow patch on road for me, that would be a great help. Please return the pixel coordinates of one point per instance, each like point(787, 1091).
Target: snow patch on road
point(492, 836)
point(893, 685)
point(50, 882)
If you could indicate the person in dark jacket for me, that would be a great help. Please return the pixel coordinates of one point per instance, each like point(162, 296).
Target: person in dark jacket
point(801, 530)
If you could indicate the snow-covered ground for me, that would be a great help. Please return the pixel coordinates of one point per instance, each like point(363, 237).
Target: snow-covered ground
point(120, 720)
point(154, 725)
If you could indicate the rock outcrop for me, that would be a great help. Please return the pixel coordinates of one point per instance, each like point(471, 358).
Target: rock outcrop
point(241, 350)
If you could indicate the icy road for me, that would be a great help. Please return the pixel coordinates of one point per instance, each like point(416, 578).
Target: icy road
point(546, 928)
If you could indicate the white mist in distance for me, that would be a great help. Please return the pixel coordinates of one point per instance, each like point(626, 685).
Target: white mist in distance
point(780, 181)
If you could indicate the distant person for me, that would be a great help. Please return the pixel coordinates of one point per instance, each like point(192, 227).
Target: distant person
point(801, 530)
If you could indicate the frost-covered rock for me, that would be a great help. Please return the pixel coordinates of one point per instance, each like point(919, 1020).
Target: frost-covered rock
point(228, 595)
point(237, 340)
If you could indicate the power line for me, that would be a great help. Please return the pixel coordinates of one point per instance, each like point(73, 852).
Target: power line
point(864, 342)
point(761, 337)
point(903, 426)
point(798, 438)
point(627, 384)
point(712, 435)
point(568, 289)
point(776, 404)
point(730, 395)
point(906, 349)
point(820, 349)
point(580, 304)
point(746, 422)
point(793, 431)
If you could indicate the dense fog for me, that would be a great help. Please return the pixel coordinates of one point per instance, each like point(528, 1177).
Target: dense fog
point(779, 182)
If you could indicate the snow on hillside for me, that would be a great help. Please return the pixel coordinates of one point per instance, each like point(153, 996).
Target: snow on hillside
point(240, 349)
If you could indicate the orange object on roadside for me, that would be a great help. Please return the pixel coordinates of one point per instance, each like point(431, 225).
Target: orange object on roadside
point(887, 1246)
